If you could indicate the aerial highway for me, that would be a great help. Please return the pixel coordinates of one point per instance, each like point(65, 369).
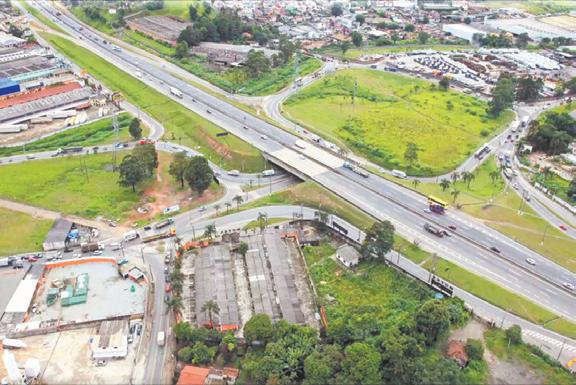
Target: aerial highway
point(469, 245)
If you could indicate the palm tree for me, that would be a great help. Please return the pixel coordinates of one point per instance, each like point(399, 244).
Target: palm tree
point(471, 177)
point(546, 171)
point(262, 221)
point(454, 176)
point(465, 175)
point(177, 276)
point(238, 199)
point(177, 287)
point(454, 194)
point(211, 307)
point(216, 208)
point(494, 175)
point(210, 230)
point(444, 184)
point(228, 205)
point(174, 303)
point(415, 183)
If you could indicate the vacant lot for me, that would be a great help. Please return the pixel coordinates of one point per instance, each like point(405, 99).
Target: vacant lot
point(389, 112)
point(31, 232)
point(181, 124)
point(98, 132)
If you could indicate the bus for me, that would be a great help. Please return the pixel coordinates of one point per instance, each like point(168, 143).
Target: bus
point(485, 149)
point(437, 205)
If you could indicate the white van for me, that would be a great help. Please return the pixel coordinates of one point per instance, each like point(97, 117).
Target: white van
point(399, 174)
point(234, 173)
point(115, 246)
point(268, 172)
point(131, 235)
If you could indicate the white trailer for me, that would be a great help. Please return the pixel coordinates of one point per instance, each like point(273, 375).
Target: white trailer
point(161, 338)
point(176, 92)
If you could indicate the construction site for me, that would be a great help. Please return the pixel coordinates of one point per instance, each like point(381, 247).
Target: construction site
point(74, 321)
point(270, 278)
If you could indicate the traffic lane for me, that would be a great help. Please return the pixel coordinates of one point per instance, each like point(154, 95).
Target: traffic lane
point(409, 225)
point(218, 102)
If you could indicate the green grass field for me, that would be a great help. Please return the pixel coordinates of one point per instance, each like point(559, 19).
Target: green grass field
point(536, 7)
point(391, 111)
point(60, 184)
point(31, 232)
point(102, 26)
point(549, 370)
point(355, 53)
point(181, 124)
point(139, 40)
point(90, 134)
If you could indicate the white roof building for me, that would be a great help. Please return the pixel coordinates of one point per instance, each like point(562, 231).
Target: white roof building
point(462, 31)
point(22, 297)
point(7, 40)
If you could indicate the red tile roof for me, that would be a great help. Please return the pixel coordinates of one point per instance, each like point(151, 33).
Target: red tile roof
point(193, 375)
point(43, 93)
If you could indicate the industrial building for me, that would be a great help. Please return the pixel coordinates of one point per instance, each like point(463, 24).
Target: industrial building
point(536, 29)
point(463, 31)
point(7, 41)
point(30, 68)
point(163, 28)
point(228, 55)
point(8, 86)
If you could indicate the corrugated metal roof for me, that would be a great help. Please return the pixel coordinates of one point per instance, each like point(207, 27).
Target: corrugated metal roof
point(22, 297)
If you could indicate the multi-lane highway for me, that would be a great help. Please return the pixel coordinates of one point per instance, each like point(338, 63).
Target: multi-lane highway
point(468, 247)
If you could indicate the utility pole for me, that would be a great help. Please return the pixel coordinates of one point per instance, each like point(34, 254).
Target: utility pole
point(355, 91)
point(116, 133)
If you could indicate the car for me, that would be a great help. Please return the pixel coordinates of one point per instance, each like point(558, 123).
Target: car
point(101, 363)
point(18, 265)
point(245, 127)
point(515, 186)
point(563, 227)
point(132, 329)
point(166, 270)
point(568, 285)
point(208, 111)
point(427, 210)
point(531, 261)
point(202, 209)
point(32, 259)
point(130, 338)
point(495, 249)
point(452, 227)
point(97, 252)
point(147, 228)
point(166, 298)
point(263, 137)
point(139, 329)
point(167, 288)
point(77, 255)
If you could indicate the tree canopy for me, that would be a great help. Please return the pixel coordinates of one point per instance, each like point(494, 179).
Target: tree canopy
point(198, 174)
point(379, 240)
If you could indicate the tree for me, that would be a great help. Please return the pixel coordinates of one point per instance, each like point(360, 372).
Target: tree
point(262, 220)
point(444, 83)
point(287, 49)
point(356, 39)
point(243, 249)
point(198, 174)
point(529, 88)
point(494, 175)
point(321, 366)
point(431, 320)
point(361, 365)
point(344, 47)
point(258, 328)
point(210, 230)
point(192, 12)
point(131, 172)
point(360, 19)
point(378, 241)
point(174, 304)
point(572, 189)
point(182, 49)
point(409, 28)
point(445, 184)
point(415, 182)
point(571, 85)
point(514, 334)
point(238, 199)
point(502, 95)
point(148, 157)
point(211, 307)
point(185, 354)
point(466, 175)
point(228, 205)
point(134, 128)
point(229, 342)
point(467, 20)
point(474, 349)
point(411, 153)
point(15, 31)
point(522, 40)
point(178, 167)
point(395, 37)
point(182, 331)
point(423, 37)
point(454, 194)
point(217, 208)
point(257, 63)
point(201, 355)
point(336, 9)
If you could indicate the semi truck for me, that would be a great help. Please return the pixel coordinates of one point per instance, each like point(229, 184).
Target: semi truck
point(161, 338)
point(155, 237)
point(164, 223)
point(357, 169)
point(89, 247)
point(176, 92)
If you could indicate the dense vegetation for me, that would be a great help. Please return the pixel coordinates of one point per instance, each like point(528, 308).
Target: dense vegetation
point(553, 133)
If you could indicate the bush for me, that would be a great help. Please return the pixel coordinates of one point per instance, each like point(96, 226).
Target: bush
point(474, 349)
point(185, 354)
point(514, 334)
point(484, 133)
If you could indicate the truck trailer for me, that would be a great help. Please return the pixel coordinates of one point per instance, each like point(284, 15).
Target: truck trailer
point(155, 237)
point(176, 92)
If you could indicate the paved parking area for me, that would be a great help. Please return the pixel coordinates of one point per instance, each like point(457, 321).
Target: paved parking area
point(9, 279)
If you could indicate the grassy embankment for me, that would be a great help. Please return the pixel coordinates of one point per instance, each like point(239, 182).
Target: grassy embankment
point(181, 124)
point(90, 134)
point(41, 18)
point(391, 111)
point(31, 232)
point(312, 195)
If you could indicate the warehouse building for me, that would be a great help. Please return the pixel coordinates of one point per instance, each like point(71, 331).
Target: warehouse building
point(536, 29)
point(8, 86)
point(30, 68)
point(462, 31)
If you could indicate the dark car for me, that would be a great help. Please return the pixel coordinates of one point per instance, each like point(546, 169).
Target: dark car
point(166, 298)
point(495, 249)
point(452, 227)
point(139, 329)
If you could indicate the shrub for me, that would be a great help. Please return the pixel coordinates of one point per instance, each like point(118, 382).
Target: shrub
point(514, 334)
point(474, 349)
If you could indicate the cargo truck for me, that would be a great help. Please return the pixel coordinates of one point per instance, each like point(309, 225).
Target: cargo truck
point(89, 247)
point(176, 92)
point(161, 338)
point(434, 230)
point(164, 223)
point(155, 237)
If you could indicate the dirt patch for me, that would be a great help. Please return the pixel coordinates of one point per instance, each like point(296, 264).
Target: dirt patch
point(165, 192)
point(220, 149)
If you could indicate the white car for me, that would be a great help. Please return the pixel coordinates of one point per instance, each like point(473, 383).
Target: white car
point(263, 137)
point(531, 261)
point(97, 252)
point(568, 285)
